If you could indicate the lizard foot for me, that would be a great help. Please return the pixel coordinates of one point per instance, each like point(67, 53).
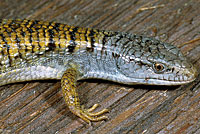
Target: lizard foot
point(88, 115)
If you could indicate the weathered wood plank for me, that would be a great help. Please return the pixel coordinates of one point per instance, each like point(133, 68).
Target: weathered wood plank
point(39, 106)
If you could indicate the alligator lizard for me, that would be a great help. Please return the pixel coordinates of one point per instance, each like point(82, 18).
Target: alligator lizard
point(38, 50)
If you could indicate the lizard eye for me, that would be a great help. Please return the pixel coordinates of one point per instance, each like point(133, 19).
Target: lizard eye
point(158, 67)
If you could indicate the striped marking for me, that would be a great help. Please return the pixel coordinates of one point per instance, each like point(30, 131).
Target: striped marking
point(23, 39)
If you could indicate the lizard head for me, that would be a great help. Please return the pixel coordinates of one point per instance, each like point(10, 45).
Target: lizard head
point(151, 62)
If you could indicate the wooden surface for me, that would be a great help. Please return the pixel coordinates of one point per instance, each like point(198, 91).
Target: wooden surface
point(40, 108)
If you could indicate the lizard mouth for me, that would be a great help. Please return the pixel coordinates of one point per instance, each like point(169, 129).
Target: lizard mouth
point(154, 81)
point(168, 82)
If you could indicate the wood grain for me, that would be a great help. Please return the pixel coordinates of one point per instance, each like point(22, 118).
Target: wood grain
point(39, 106)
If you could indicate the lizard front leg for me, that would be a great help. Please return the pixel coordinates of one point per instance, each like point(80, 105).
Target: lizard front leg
point(68, 83)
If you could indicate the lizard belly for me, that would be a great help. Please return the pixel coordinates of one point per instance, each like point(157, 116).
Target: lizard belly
point(30, 73)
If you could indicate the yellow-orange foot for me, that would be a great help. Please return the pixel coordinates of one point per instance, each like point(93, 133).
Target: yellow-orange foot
point(88, 115)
